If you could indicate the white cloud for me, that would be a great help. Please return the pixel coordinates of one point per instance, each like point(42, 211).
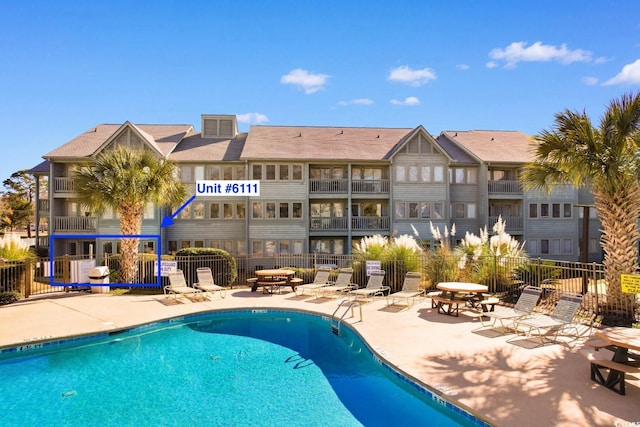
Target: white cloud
point(411, 101)
point(252, 118)
point(602, 60)
point(309, 82)
point(538, 52)
point(359, 101)
point(590, 81)
point(630, 74)
point(404, 74)
point(462, 67)
point(491, 64)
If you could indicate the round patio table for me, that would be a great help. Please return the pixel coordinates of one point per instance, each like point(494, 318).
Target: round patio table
point(475, 290)
point(272, 279)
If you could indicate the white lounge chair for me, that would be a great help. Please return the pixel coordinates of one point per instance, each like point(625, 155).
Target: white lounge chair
point(560, 320)
point(207, 284)
point(178, 286)
point(410, 290)
point(524, 307)
point(320, 280)
point(340, 286)
point(374, 287)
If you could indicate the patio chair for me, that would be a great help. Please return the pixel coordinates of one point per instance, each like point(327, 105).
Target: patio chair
point(561, 318)
point(524, 307)
point(178, 286)
point(410, 290)
point(341, 285)
point(374, 287)
point(207, 284)
point(321, 279)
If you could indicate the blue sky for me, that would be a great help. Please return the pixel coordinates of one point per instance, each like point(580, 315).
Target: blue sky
point(456, 65)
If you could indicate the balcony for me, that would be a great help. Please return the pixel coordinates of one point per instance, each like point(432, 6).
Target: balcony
point(379, 186)
point(513, 223)
point(370, 223)
point(44, 205)
point(331, 186)
point(505, 187)
point(328, 224)
point(63, 185)
point(74, 223)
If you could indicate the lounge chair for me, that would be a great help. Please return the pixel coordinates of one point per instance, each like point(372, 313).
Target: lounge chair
point(410, 290)
point(178, 286)
point(561, 318)
point(524, 307)
point(340, 286)
point(374, 287)
point(320, 280)
point(206, 283)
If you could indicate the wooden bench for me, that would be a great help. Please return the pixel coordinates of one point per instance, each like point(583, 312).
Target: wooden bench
point(432, 294)
point(452, 305)
point(602, 360)
point(295, 282)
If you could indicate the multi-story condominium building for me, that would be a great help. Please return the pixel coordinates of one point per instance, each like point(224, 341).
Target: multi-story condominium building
point(322, 189)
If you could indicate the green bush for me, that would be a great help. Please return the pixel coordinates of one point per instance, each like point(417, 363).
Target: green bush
point(9, 297)
point(222, 264)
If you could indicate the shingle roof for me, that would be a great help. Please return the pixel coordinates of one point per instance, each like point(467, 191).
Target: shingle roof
point(196, 148)
point(166, 137)
point(321, 143)
point(495, 145)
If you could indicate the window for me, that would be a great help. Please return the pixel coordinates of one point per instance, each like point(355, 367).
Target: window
point(256, 210)
point(214, 172)
point(270, 248)
point(228, 246)
point(555, 210)
point(240, 210)
point(284, 173)
point(284, 246)
point(284, 210)
point(214, 210)
point(256, 247)
point(240, 172)
point(297, 210)
point(426, 173)
point(400, 173)
point(242, 247)
point(198, 210)
point(400, 210)
point(198, 173)
point(184, 244)
point(544, 246)
point(413, 210)
point(296, 172)
point(297, 246)
point(185, 173)
point(149, 211)
point(438, 174)
point(198, 244)
point(271, 172)
point(271, 210)
point(227, 210)
point(533, 210)
point(567, 246)
point(425, 210)
point(459, 210)
point(438, 210)
point(532, 246)
point(257, 172)
point(567, 210)
point(413, 173)
point(186, 212)
point(544, 210)
point(173, 246)
point(471, 210)
point(227, 172)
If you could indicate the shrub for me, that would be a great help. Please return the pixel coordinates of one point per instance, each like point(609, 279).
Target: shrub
point(9, 297)
point(222, 264)
point(13, 248)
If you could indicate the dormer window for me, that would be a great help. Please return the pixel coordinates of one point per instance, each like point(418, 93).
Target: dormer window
point(219, 126)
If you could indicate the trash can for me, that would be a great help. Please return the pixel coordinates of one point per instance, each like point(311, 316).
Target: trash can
point(98, 277)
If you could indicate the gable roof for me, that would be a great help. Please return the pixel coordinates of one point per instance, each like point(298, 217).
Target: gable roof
point(321, 143)
point(497, 146)
point(164, 139)
point(196, 148)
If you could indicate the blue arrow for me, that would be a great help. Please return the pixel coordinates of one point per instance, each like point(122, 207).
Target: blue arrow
point(168, 220)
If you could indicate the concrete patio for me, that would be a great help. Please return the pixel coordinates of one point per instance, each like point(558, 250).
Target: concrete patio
point(506, 383)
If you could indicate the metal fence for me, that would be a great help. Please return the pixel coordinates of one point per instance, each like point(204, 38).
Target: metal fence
point(505, 277)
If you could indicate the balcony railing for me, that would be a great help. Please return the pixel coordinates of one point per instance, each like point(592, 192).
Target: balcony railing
point(63, 185)
point(370, 186)
point(74, 223)
point(44, 205)
point(505, 187)
point(328, 185)
point(370, 223)
point(513, 223)
point(336, 223)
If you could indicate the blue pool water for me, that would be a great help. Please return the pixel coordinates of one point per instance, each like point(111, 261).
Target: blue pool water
point(218, 369)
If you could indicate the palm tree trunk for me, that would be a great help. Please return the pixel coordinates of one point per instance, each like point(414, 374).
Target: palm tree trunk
point(619, 213)
point(130, 224)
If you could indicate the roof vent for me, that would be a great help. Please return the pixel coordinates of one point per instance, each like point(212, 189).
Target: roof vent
point(219, 126)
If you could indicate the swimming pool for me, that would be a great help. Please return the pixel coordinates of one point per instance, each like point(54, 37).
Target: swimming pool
point(257, 367)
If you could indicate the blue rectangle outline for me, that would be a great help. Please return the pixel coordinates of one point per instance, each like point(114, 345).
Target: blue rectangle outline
point(52, 237)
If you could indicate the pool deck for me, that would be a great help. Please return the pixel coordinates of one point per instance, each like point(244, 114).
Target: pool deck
point(509, 383)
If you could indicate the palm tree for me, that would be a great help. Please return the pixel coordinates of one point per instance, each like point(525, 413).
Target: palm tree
point(126, 181)
point(607, 158)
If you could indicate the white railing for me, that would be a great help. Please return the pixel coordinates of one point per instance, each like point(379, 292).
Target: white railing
point(74, 223)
